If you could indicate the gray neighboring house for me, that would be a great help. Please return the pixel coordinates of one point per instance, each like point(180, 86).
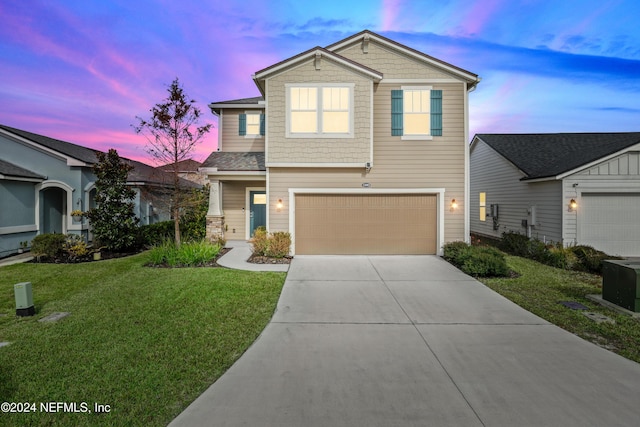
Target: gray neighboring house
point(575, 188)
point(43, 179)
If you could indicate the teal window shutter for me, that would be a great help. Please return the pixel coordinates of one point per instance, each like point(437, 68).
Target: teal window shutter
point(436, 113)
point(261, 124)
point(396, 113)
point(243, 125)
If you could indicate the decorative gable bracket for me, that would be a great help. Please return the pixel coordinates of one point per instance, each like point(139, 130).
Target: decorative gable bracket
point(318, 61)
point(365, 44)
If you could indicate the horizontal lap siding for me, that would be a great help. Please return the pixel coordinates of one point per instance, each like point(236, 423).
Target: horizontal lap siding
point(231, 140)
point(500, 180)
point(233, 201)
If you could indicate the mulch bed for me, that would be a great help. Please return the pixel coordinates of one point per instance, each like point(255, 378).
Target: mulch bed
point(257, 259)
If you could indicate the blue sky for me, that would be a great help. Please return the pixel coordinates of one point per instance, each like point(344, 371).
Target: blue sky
point(82, 70)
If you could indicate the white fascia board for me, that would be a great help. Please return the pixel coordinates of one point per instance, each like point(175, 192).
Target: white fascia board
point(315, 165)
point(375, 75)
point(207, 171)
point(259, 106)
point(455, 71)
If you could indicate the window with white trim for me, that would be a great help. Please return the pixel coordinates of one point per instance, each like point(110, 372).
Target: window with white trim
point(416, 112)
point(320, 110)
point(251, 124)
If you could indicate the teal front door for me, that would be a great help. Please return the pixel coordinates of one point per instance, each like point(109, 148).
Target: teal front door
point(257, 210)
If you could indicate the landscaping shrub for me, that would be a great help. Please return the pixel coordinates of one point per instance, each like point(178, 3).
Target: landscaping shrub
point(189, 254)
point(560, 257)
point(156, 234)
point(590, 259)
point(50, 245)
point(75, 247)
point(485, 262)
point(274, 245)
point(259, 241)
point(515, 244)
point(278, 244)
point(456, 252)
point(479, 261)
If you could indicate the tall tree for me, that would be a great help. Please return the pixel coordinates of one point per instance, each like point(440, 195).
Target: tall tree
point(113, 220)
point(172, 133)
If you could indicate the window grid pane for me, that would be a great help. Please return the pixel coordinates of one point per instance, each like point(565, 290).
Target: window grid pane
point(253, 124)
point(416, 112)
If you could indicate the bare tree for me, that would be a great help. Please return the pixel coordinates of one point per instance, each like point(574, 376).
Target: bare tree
point(172, 133)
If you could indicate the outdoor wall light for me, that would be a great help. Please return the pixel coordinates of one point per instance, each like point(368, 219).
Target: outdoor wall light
point(279, 205)
point(454, 204)
point(573, 205)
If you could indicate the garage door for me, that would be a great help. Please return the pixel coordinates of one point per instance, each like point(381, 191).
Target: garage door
point(611, 222)
point(365, 224)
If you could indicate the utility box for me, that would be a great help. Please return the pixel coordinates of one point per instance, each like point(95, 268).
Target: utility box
point(621, 283)
point(24, 299)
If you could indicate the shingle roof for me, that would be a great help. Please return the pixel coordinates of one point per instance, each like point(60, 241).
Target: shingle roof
point(547, 155)
point(231, 161)
point(9, 169)
point(254, 100)
point(142, 172)
point(72, 150)
point(187, 165)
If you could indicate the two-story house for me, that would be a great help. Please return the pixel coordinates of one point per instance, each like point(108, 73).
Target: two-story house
point(359, 147)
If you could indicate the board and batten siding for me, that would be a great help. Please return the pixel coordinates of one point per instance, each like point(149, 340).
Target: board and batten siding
point(620, 174)
point(500, 180)
point(232, 141)
point(318, 150)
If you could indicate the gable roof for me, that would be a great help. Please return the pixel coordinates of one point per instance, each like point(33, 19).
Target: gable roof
point(316, 52)
point(77, 152)
point(186, 165)
point(141, 173)
point(9, 170)
point(553, 154)
point(236, 161)
point(470, 77)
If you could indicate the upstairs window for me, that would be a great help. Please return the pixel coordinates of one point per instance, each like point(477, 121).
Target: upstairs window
point(251, 124)
point(416, 112)
point(320, 111)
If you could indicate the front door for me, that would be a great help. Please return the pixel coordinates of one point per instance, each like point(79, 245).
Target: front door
point(257, 210)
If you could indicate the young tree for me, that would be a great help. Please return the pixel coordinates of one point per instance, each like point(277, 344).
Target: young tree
point(172, 133)
point(113, 219)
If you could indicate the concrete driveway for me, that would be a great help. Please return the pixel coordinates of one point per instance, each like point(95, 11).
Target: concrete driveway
point(412, 341)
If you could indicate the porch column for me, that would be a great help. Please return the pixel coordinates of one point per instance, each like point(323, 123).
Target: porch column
point(215, 219)
point(215, 201)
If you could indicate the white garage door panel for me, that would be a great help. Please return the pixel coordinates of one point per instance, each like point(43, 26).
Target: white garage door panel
point(611, 222)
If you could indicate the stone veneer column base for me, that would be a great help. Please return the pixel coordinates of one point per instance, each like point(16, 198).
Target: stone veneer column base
point(215, 228)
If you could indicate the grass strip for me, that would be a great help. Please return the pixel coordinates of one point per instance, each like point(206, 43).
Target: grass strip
point(144, 341)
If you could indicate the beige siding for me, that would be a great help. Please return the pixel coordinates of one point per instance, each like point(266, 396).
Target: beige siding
point(500, 180)
point(281, 179)
point(231, 141)
point(318, 150)
point(393, 65)
point(233, 202)
point(385, 224)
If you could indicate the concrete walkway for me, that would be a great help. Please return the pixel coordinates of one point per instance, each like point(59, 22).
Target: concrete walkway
point(237, 257)
point(16, 259)
point(412, 341)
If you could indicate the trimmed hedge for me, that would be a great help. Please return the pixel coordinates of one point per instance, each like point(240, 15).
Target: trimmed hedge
point(478, 261)
point(581, 258)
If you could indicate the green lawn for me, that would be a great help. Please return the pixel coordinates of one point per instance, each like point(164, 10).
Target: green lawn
point(540, 288)
point(145, 341)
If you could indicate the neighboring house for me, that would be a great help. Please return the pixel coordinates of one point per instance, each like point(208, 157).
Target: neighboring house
point(43, 179)
point(575, 188)
point(356, 148)
point(187, 169)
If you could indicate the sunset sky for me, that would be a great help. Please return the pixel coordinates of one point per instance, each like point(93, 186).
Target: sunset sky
point(82, 70)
